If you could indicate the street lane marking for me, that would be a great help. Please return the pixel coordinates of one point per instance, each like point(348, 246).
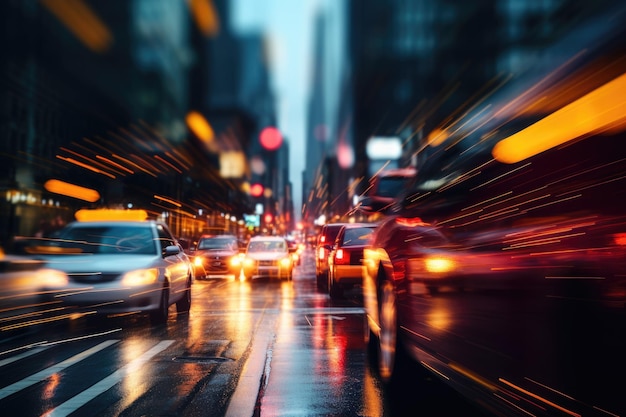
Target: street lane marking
point(41, 375)
point(98, 388)
point(22, 356)
point(244, 398)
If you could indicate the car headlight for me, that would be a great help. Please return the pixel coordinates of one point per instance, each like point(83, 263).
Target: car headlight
point(248, 262)
point(285, 262)
point(53, 278)
point(141, 277)
point(197, 261)
point(236, 261)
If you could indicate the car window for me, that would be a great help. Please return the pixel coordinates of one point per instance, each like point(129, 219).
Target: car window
point(165, 237)
point(331, 234)
point(267, 246)
point(216, 243)
point(357, 236)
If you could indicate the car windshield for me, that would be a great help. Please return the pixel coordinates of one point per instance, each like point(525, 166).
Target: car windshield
point(267, 246)
point(357, 236)
point(107, 240)
point(216, 243)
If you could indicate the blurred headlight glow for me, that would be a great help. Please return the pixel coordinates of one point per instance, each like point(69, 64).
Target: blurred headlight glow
point(439, 265)
point(285, 262)
point(54, 278)
point(141, 277)
point(197, 261)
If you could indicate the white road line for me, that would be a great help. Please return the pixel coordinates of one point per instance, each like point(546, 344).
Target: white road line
point(41, 375)
point(22, 356)
point(98, 388)
point(243, 401)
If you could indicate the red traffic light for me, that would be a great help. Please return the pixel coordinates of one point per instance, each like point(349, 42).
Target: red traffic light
point(256, 190)
point(271, 138)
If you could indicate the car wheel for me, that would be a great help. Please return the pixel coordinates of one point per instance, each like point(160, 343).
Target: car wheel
point(387, 341)
point(159, 316)
point(184, 304)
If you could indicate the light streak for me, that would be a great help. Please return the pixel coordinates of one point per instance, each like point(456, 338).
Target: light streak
point(501, 176)
point(538, 397)
point(80, 164)
point(603, 108)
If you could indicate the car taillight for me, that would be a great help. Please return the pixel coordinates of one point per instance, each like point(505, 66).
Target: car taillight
point(399, 270)
point(321, 253)
point(342, 257)
point(410, 221)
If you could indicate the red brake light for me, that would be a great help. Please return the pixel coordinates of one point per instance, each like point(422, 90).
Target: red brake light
point(410, 221)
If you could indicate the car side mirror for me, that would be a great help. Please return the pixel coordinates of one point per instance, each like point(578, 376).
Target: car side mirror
point(171, 250)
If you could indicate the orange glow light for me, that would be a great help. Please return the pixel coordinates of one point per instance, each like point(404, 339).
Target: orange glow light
point(85, 215)
point(200, 127)
point(71, 190)
point(79, 19)
point(205, 16)
point(602, 109)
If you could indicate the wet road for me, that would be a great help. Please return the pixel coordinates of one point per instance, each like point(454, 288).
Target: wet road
point(264, 348)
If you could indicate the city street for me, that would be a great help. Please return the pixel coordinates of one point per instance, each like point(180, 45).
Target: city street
point(265, 348)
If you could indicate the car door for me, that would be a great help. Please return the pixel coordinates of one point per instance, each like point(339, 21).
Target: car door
point(176, 265)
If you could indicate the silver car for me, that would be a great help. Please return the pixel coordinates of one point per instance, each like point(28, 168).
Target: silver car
point(268, 256)
point(117, 267)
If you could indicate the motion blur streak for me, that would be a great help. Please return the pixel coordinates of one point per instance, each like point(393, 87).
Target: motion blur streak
point(71, 190)
point(82, 22)
point(90, 168)
point(603, 108)
point(537, 397)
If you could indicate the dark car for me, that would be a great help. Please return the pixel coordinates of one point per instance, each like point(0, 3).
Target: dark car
point(384, 189)
point(325, 240)
point(216, 256)
point(345, 266)
point(519, 329)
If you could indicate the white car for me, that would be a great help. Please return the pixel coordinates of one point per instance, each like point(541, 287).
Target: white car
point(267, 256)
point(117, 267)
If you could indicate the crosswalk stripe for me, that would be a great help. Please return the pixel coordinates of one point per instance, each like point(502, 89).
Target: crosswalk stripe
point(22, 356)
point(87, 395)
point(41, 375)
